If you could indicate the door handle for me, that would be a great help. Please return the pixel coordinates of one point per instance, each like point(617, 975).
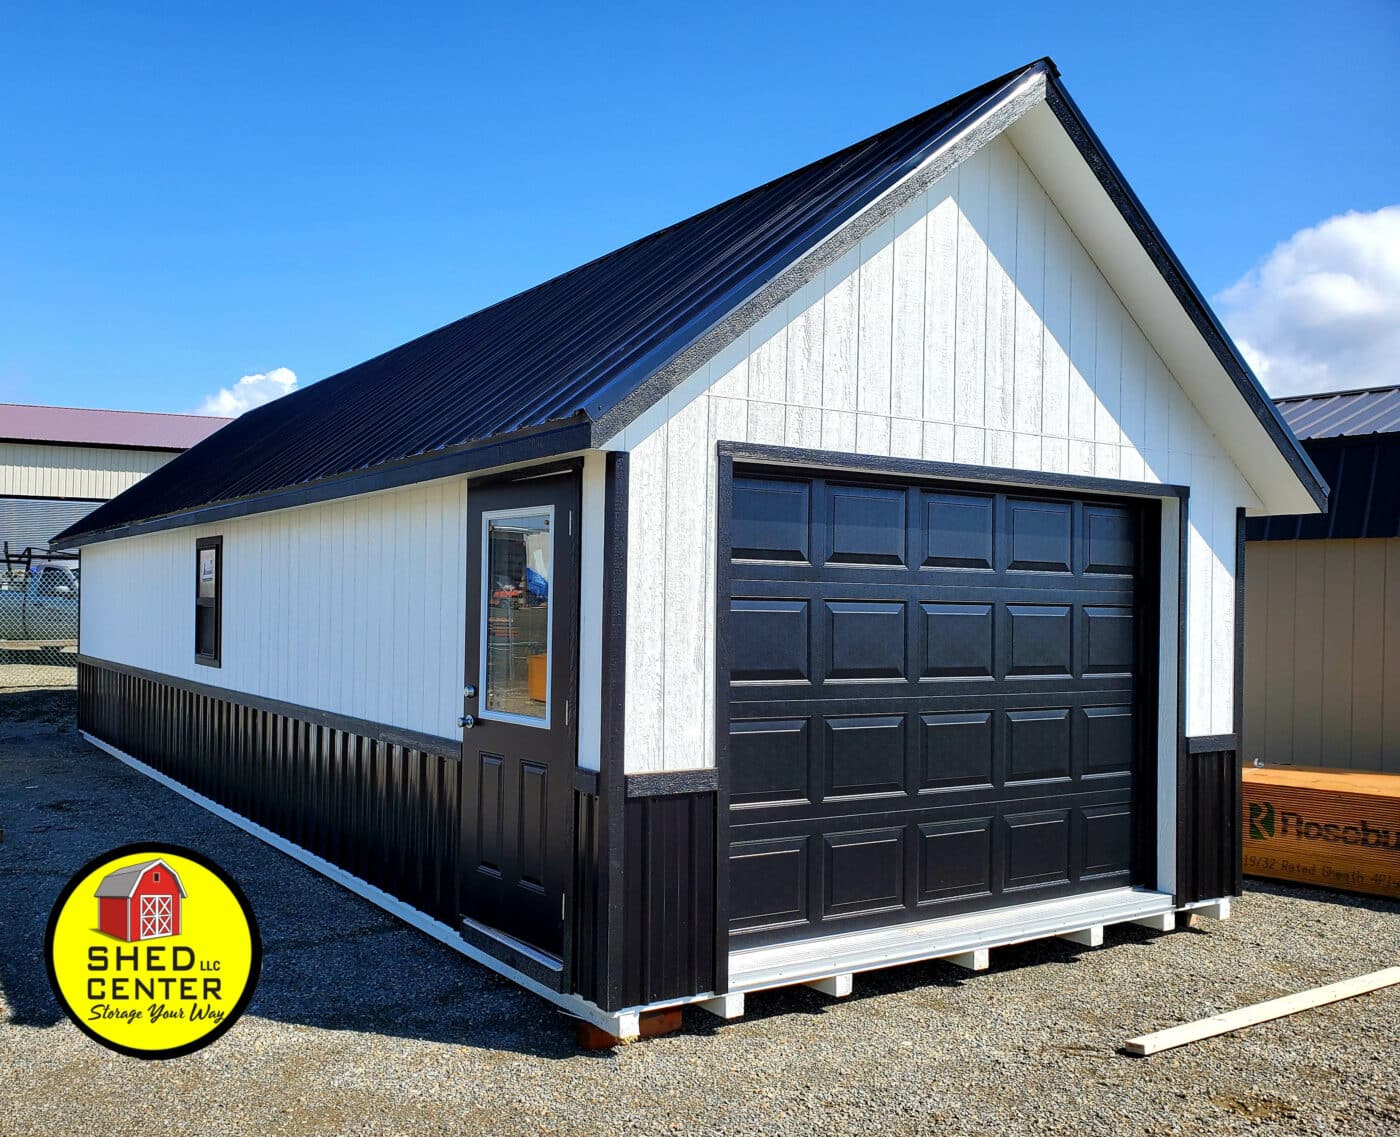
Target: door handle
point(469, 690)
point(466, 722)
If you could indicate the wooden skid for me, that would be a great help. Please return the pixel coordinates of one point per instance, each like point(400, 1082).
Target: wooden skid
point(1229, 1021)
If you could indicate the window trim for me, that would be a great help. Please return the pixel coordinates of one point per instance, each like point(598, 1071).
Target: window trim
point(216, 601)
point(546, 721)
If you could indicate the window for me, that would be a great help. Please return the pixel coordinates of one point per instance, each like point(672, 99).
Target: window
point(155, 877)
point(208, 600)
point(517, 569)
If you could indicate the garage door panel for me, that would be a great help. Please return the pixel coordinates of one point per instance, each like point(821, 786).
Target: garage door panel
point(1038, 744)
point(769, 640)
point(1039, 639)
point(958, 640)
point(867, 526)
point(1109, 734)
point(958, 531)
point(863, 871)
point(866, 638)
point(769, 761)
point(772, 519)
point(955, 859)
point(865, 754)
point(1107, 835)
point(1110, 538)
point(956, 749)
point(768, 885)
point(1036, 847)
point(935, 701)
point(1109, 633)
point(1041, 535)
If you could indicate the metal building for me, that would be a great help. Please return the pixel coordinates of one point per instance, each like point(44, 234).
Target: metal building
point(843, 576)
point(57, 464)
point(1322, 616)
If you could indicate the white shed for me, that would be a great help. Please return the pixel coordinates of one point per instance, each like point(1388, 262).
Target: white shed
point(841, 577)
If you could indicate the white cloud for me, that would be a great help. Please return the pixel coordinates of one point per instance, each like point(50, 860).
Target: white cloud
point(1322, 311)
point(249, 392)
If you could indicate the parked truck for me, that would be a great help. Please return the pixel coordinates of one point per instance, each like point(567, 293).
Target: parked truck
point(39, 607)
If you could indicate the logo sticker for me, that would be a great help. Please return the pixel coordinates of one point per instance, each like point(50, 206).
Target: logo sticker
point(1261, 820)
point(153, 950)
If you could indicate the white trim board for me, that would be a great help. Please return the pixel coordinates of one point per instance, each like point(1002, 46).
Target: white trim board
point(622, 1024)
point(755, 969)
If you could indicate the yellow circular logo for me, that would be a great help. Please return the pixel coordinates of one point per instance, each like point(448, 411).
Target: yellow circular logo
point(153, 950)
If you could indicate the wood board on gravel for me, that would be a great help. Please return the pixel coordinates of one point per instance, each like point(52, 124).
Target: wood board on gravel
point(362, 1025)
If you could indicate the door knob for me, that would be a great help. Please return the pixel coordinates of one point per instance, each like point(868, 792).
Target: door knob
point(466, 722)
point(469, 690)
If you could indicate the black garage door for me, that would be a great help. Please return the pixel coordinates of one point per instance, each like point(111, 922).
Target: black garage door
point(938, 698)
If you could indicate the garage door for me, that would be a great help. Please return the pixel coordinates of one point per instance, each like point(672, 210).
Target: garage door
point(938, 700)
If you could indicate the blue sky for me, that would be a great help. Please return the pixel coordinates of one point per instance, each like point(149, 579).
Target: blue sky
point(192, 193)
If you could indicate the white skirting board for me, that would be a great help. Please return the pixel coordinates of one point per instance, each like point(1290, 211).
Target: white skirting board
point(621, 1024)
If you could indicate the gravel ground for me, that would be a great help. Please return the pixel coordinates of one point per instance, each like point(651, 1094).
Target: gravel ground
point(362, 1025)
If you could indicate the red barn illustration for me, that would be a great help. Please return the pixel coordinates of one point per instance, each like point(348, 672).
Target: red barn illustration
point(140, 902)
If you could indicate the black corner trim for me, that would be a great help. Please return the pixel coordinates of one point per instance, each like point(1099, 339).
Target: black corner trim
point(1183, 287)
point(1212, 743)
point(450, 748)
point(586, 781)
point(672, 782)
point(838, 462)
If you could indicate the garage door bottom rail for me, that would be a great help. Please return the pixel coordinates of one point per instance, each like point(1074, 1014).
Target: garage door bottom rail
point(781, 965)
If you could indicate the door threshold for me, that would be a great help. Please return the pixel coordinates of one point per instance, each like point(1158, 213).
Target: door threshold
point(532, 961)
point(805, 961)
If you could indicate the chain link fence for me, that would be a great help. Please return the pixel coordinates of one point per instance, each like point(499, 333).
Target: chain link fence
point(38, 620)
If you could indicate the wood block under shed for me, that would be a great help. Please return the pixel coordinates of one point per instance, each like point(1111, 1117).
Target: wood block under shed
point(650, 1025)
point(1327, 828)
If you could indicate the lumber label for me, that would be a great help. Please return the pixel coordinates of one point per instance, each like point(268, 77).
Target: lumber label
point(1333, 829)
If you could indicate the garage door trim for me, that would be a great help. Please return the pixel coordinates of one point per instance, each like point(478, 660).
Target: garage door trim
point(815, 463)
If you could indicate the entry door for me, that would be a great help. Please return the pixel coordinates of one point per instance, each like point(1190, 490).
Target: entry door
point(520, 709)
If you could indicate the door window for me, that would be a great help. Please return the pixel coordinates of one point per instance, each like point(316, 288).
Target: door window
point(517, 572)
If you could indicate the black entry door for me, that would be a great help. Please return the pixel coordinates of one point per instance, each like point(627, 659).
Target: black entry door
point(938, 699)
point(519, 744)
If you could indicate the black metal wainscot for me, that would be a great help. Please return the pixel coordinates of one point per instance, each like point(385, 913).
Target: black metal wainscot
point(381, 804)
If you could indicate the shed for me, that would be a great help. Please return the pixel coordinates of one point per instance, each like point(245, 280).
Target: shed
point(59, 463)
point(841, 577)
point(140, 902)
point(1322, 649)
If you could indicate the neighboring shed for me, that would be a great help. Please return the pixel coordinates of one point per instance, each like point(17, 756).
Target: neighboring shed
point(1322, 618)
point(841, 577)
point(57, 464)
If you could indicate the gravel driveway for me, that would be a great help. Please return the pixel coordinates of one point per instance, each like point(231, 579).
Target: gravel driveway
point(362, 1025)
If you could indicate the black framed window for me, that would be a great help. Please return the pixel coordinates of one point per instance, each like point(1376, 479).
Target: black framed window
point(208, 600)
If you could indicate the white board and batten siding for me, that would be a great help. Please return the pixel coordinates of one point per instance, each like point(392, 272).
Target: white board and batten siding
point(970, 327)
point(84, 473)
point(354, 606)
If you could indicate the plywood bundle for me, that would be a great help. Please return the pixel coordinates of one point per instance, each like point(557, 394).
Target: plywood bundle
point(1331, 828)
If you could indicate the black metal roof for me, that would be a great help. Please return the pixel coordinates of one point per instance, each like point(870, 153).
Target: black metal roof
point(567, 349)
point(1337, 414)
point(1353, 437)
point(534, 374)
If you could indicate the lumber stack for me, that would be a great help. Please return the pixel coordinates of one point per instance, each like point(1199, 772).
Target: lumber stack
point(1330, 828)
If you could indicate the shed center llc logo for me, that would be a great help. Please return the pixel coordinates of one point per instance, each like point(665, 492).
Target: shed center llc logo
point(153, 950)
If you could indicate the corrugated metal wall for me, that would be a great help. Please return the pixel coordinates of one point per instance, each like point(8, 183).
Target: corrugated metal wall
point(41, 469)
point(1322, 649)
point(29, 522)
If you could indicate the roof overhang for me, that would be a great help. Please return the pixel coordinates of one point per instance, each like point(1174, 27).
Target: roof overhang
point(1091, 194)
